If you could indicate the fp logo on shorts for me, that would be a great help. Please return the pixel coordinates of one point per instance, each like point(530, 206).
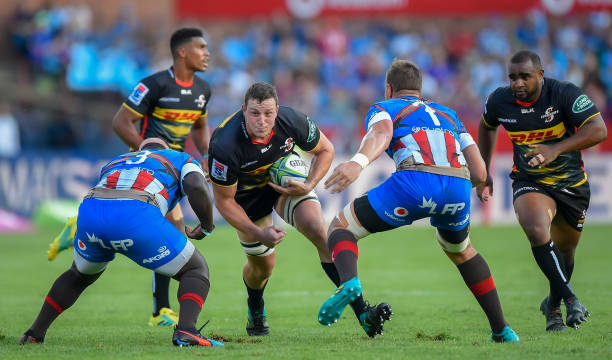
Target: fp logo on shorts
point(400, 211)
point(81, 245)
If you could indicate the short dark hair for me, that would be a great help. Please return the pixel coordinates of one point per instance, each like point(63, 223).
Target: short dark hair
point(183, 35)
point(260, 91)
point(524, 55)
point(404, 75)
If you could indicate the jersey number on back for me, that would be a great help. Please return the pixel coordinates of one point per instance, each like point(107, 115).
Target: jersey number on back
point(433, 115)
point(138, 159)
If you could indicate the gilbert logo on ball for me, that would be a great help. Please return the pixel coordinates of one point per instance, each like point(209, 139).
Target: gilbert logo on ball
point(290, 167)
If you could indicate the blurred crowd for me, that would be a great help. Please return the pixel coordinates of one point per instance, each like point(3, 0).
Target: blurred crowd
point(331, 68)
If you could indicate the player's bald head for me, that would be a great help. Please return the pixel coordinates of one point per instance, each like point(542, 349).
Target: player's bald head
point(153, 143)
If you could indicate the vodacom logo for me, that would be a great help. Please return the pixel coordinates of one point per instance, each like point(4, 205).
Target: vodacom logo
point(558, 7)
point(305, 8)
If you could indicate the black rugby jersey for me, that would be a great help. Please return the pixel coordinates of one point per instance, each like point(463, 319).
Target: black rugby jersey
point(235, 158)
point(169, 106)
point(560, 110)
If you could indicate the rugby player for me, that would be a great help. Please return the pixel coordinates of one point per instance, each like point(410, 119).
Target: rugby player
point(170, 105)
point(548, 122)
point(242, 149)
point(435, 159)
point(124, 213)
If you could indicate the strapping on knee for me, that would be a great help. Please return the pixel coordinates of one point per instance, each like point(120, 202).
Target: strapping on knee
point(353, 225)
point(453, 241)
point(256, 249)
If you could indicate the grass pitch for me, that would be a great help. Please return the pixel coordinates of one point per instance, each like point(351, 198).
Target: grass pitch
point(435, 315)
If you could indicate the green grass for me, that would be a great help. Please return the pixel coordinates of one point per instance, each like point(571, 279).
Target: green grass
point(435, 316)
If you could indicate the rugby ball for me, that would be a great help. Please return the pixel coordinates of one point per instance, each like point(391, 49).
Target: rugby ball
point(290, 167)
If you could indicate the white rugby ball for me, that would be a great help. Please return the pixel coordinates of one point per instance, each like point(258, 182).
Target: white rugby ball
point(290, 167)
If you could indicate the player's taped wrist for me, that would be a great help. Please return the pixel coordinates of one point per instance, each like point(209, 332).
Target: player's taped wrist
point(206, 233)
point(361, 159)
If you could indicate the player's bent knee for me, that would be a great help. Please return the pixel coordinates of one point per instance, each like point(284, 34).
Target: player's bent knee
point(82, 278)
point(87, 267)
point(347, 220)
point(453, 241)
point(256, 249)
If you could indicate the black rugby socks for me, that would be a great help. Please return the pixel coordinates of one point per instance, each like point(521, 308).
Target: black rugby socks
point(477, 277)
point(161, 285)
point(551, 263)
point(62, 295)
point(255, 301)
point(192, 292)
point(344, 251)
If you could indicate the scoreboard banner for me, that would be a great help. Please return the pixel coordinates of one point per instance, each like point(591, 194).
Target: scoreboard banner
point(26, 182)
point(307, 9)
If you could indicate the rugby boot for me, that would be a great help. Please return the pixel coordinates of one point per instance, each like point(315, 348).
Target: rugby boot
point(374, 317)
point(166, 317)
point(333, 307)
point(64, 240)
point(576, 313)
point(554, 317)
point(506, 335)
point(257, 324)
point(29, 338)
point(183, 338)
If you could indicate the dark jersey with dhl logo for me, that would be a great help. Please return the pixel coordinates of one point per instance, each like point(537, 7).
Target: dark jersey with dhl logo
point(169, 106)
point(558, 113)
point(235, 159)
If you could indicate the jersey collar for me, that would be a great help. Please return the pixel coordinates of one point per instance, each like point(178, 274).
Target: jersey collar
point(179, 82)
point(254, 142)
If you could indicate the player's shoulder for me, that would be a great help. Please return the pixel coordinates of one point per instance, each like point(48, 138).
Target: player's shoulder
point(389, 105)
point(500, 95)
point(442, 108)
point(174, 155)
point(285, 111)
point(226, 137)
point(160, 78)
point(560, 87)
point(201, 83)
point(289, 115)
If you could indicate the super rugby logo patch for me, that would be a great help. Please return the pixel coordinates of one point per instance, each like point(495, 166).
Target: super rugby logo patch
point(219, 170)
point(581, 104)
point(140, 91)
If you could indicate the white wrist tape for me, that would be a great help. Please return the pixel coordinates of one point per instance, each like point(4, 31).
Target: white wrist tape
point(361, 159)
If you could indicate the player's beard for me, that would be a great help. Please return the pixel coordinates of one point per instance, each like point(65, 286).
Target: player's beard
point(528, 95)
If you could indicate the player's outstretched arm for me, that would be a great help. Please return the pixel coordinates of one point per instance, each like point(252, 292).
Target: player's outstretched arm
point(487, 139)
point(237, 217)
point(194, 185)
point(373, 144)
point(123, 125)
